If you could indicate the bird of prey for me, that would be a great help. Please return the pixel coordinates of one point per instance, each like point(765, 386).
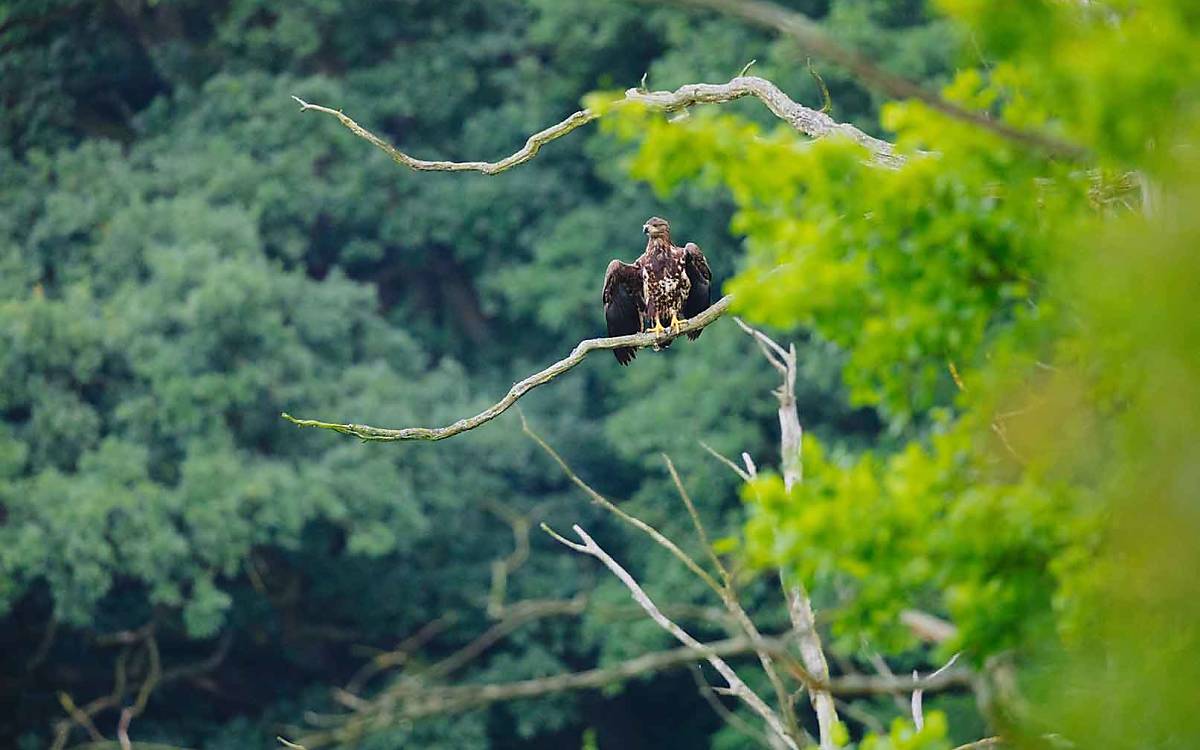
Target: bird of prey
point(667, 284)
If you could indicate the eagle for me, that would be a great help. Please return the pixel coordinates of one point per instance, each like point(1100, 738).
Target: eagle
point(667, 284)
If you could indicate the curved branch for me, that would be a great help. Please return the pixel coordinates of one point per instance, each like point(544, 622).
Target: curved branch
point(811, 122)
point(527, 152)
point(519, 389)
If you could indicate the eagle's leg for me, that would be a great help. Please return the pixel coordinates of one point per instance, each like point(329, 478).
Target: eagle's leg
point(676, 323)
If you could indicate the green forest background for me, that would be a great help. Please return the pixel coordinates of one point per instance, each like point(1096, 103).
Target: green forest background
point(997, 348)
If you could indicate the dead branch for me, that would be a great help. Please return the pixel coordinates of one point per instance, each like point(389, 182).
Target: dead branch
point(519, 389)
point(154, 677)
point(799, 607)
point(734, 684)
point(729, 717)
point(729, 598)
point(504, 567)
point(918, 711)
point(632, 520)
point(517, 616)
point(524, 154)
point(811, 122)
point(724, 590)
point(416, 701)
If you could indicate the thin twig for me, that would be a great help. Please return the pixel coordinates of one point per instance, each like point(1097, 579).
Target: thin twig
point(720, 709)
point(506, 566)
point(519, 389)
point(733, 682)
point(699, 526)
point(524, 154)
point(725, 590)
point(729, 598)
point(918, 713)
point(611, 507)
point(415, 701)
point(736, 469)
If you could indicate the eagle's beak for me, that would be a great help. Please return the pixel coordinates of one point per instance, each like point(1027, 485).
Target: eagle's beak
point(645, 229)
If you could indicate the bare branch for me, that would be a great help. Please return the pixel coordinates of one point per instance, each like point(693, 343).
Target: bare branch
point(414, 701)
point(400, 654)
point(699, 526)
point(736, 469)
point(729, 598)
point(813, 656)
point(724, 590)
point(519, 389)
point(710, 697)
point(506, 566)
point(918, 713)
point(811, 122)
point(800, 610)
point(734, 683)
point(518, 615)
point(526, 152)
point(611, 507)
point(810, 36)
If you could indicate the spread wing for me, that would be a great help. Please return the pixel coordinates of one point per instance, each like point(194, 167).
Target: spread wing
point(623, 304)
point(696, 266)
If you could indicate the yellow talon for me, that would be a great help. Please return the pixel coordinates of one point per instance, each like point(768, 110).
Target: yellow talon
point(676, 323)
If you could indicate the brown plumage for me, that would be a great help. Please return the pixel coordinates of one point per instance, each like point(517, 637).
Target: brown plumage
point(665, 286)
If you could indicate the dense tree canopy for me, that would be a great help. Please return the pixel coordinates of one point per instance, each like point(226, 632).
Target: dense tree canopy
point(997, 361)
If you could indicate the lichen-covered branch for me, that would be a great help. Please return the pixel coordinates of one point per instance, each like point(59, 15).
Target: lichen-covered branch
point(811, 122)
point(519, 389)
point(526, 152)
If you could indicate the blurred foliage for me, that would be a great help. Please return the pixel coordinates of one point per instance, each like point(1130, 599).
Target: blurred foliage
point(1024, 326)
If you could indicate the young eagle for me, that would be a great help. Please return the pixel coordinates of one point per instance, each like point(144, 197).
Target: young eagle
point(668, 284)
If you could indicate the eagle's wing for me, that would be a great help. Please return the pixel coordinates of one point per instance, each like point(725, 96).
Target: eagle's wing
point(623, 304)
point(696, 266)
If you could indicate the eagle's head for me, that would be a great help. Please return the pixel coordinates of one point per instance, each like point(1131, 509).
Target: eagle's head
point(656, 227)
